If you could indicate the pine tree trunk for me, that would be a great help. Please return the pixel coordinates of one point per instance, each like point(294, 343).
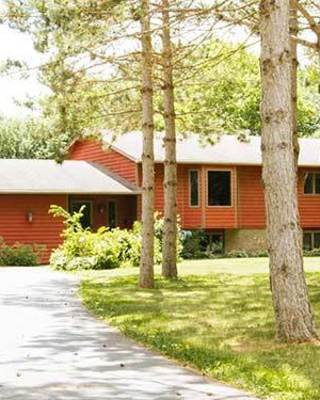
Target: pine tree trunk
point(293, 314)
point(169, 263)
point(294, 29)
point(147, 257)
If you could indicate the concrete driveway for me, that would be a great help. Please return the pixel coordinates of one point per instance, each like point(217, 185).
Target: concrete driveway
point(52, 349)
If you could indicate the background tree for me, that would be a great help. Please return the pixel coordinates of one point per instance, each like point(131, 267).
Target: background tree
point(30, 138)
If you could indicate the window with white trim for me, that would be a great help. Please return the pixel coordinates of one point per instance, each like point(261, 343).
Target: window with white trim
point(312, 183)
point(311, 240)
point(219, 188)
point(194, 187)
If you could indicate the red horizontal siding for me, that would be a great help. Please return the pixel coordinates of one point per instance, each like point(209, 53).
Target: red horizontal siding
point(251, 200)
point(196, 217)
point(220, 217)
point(92, 150)
point(247, 211)
point(309, 205)
point(43, 230)
point(126, 209)
point(251, 209)
point(191, 217)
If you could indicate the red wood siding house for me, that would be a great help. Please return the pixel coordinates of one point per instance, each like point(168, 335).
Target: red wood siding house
point(244, 215)
point(219, 189)
point(29, 187)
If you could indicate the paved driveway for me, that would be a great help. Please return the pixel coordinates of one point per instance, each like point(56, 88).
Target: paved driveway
point(51, 349)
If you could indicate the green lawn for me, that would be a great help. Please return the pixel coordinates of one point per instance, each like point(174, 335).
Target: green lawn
point(218, 318)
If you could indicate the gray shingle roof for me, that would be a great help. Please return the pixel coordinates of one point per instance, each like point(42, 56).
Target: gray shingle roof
point(46, 176)
point(228, 150)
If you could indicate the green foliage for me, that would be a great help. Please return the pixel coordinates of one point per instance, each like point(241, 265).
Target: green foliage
point(104, 249)
point(93, 73)
point(246, 254)
point(311, 253)
point(20, 255)
point(83, 249)
point(227, 95)
point(30, 138)
point(196, 244)
point(222, 324)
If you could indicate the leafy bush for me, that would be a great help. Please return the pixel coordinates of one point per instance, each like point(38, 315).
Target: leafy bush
point(197, 244)
point(312, 253)
point(19, 254)
point(246, 254)
point(104, 249)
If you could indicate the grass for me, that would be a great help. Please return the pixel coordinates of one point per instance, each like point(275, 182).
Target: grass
point(218, 318)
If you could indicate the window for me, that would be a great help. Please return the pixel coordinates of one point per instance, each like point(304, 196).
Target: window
point(112, 214)
point(311, 240)
point(86, 220)
point(219, 188)
point(312, 183)
point(194, 188)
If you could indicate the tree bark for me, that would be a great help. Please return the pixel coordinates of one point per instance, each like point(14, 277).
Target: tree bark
point(294, 29)
point(169, 263)
point(293, 314)
point(147, 257)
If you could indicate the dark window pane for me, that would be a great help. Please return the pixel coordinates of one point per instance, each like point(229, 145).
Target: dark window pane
point(316, 240)
point(194, 188)
point(86, 218)
point(317, 178)
point(219, 188)
point(112, 214)
point(307, 241)
point(308, 184)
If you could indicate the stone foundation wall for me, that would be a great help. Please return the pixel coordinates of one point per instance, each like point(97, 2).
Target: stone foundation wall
point(245, 239)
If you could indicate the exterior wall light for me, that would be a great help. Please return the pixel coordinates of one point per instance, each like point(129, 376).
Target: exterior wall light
point(101, 208)
point(29, 216)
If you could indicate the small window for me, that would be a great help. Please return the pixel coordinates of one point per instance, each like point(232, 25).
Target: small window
point(112, 214)
point(316, 240)
point(194, 188)
point(311, 240)
point(219, 188)
point(86, 221)
point(312, 183)
point(307, 241)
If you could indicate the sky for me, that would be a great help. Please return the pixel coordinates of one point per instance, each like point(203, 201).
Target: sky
point(17, 45)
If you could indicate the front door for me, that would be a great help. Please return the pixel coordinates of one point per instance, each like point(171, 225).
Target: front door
point(112, 214)
point(86, 220)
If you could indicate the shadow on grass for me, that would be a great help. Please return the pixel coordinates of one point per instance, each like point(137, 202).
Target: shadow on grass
point(221, 324)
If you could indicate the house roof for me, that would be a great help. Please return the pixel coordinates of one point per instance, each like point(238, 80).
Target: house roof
point(47, 176)
point(227, 150)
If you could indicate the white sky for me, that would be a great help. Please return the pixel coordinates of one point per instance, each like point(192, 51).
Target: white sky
point(16, 45)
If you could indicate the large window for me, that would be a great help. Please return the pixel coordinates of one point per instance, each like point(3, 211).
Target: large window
point(194, 188)
point(311, 240)
point(312, 183)
point(219, 188)
point(86, 220)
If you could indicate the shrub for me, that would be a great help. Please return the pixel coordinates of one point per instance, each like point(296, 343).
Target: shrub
point(84, 249)
point(246, 253)
point(312, 253)
point(197, 244)
point(19, 254)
